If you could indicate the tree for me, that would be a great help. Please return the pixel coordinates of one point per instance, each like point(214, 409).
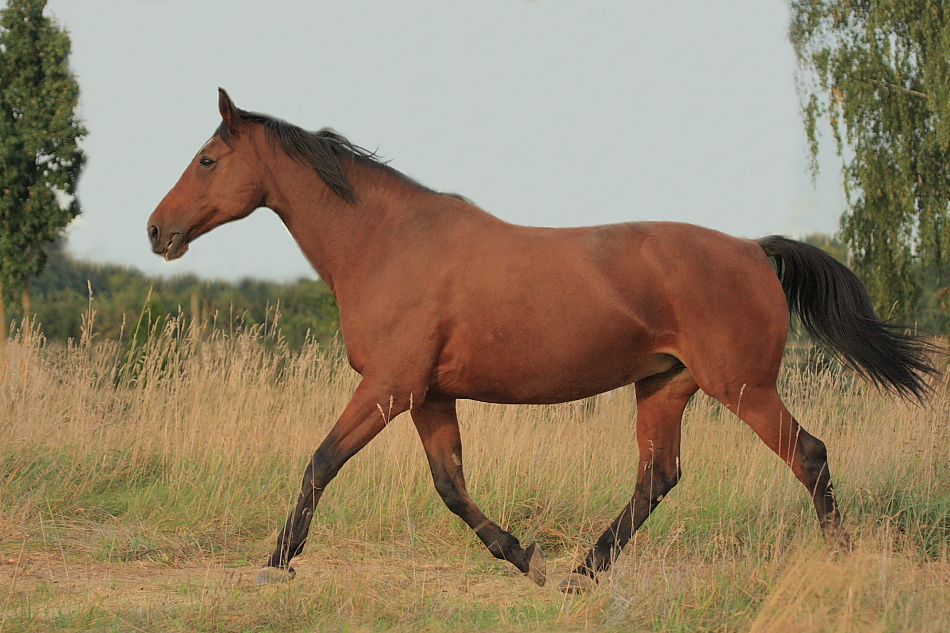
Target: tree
point(879, 73)
point(40, 159)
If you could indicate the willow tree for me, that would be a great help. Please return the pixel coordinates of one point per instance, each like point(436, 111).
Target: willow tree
point(40, 159)
point(878, 72)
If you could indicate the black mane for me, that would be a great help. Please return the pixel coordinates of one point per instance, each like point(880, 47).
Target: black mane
point(326, 151)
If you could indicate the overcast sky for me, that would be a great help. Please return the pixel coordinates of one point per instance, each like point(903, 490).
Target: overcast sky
point(543, 112)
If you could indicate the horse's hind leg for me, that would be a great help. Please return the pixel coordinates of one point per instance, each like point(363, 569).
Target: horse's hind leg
point(438, 428)
point(763, 410)
point(661, 400)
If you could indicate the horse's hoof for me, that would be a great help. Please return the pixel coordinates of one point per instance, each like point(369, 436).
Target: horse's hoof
point(577, 583)
point(537, 565)
point(274, 575)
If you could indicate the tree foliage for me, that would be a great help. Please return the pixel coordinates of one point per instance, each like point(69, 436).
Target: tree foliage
point(40, 159)
point(879, 73)
point(128, 303)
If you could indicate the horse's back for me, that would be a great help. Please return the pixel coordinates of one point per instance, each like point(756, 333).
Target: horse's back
point(611, 304)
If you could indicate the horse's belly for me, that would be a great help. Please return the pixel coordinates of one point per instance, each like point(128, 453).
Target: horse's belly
point(535, 377)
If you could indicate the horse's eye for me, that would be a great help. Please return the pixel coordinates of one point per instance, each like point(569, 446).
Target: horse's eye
point(206, 162)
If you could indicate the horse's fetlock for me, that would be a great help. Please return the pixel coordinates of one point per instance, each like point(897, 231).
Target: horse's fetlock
point(497, 550)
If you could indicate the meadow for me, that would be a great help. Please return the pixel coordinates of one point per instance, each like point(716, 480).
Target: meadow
point(143, 485)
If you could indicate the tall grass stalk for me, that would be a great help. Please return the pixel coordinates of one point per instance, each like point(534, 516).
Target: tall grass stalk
point(190, 446)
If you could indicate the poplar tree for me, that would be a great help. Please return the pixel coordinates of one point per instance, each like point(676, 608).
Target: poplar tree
point(879, 74)
point(40, 159)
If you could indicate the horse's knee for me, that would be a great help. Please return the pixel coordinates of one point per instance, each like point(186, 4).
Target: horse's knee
point(451, 494)
point(321, 469)
point(665, 483)
point(658, 480)
point(654, 485)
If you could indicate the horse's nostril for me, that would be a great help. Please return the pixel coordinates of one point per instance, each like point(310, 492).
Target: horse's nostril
point(153, 234)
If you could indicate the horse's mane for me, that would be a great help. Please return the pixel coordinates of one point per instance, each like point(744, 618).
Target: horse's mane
point(326, 151)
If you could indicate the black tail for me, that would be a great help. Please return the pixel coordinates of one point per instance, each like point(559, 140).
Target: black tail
point(835, 309)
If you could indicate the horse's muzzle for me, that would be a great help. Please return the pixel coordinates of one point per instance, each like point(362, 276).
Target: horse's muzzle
point(171, 245)
point(153, 237)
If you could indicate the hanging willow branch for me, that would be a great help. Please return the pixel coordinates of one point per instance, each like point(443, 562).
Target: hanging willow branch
point(878, 73)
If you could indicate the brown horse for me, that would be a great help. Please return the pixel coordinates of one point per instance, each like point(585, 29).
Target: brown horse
point(440, 300)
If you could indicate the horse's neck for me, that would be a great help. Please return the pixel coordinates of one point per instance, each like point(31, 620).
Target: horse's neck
point(343, 240)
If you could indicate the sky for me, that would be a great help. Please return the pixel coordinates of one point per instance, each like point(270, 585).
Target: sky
point(544, 112)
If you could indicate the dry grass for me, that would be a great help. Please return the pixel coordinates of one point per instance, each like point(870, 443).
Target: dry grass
point(171, 468)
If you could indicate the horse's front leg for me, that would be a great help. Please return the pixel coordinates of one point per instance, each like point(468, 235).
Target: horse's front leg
point(438, 428)
point(368, 412)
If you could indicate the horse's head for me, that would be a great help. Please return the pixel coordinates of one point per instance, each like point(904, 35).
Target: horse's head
point(222, 183)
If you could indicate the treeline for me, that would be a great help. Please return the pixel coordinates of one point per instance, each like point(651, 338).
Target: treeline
point(125, 300)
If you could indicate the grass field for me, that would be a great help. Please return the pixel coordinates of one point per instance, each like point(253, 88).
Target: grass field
point(142, 489)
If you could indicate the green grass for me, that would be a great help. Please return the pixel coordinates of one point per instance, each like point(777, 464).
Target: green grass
point(146, 503)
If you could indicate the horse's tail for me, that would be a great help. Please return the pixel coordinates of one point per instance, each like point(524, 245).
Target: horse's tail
point(835, 309)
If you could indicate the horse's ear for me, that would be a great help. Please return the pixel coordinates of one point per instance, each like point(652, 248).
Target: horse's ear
point(229, 112)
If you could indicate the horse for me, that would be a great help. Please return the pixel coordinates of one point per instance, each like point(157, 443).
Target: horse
point(440, 300)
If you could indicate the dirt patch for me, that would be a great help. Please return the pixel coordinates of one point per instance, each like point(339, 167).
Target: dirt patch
point(43, 584)
point(46, 584)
